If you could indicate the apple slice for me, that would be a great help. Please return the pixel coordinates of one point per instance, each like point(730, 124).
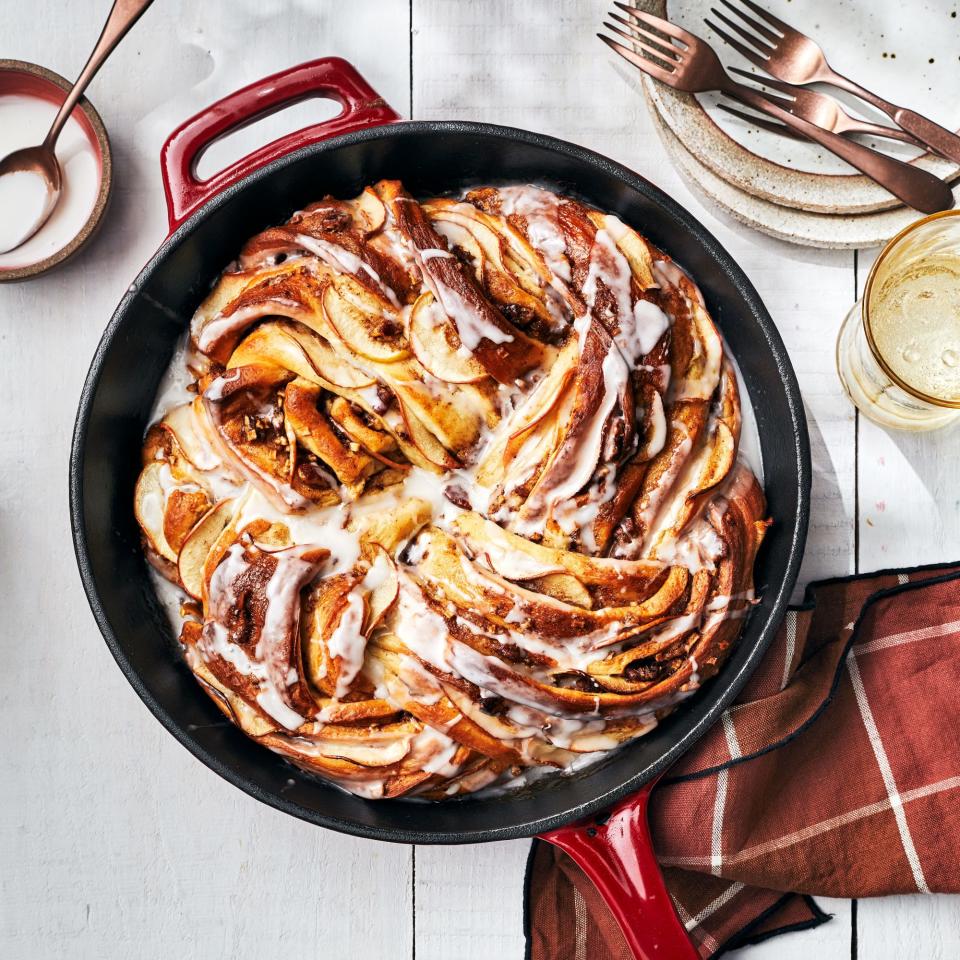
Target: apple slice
point(451, 413)
point(704, 471)
point(239, 300)
point(579, 446)
point(436, 345)
point(417, 433)
point(384, 584)
point(149, 507)
point(362, 296)
point(188, 437)
point(556, 400)
point(467, 217)
point(392, 527)
point(504, 247)
point(377, 337)
point(506, 552)
point(525, 263)
point(396, 426)
point(458, 235)
point(324, 604)
point(370, 211)
point(378, 443)
point(301, 350)
point(191, 562)
point(505, 352)
point(541, 402)
point(563, 587)
point(185, 506)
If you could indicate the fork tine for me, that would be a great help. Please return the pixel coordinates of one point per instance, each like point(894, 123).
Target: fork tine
point(755, 58)
point(651, 37)
point(766, 32)
point(637, 42)
point(781, 102)
point(669, 52)
point(784, 28)
point(787, 88)
point(756, 121)
point(760, 45)
point(664, 26)
point(647, 66)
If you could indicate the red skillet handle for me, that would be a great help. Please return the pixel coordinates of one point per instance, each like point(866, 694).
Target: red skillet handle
point(618, 857)
point(328, 77)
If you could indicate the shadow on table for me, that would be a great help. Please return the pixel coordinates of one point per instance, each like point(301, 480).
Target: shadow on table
point(830, 537)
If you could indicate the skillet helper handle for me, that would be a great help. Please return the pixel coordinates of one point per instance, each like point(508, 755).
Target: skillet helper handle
point(618, 857)
point(329, 77)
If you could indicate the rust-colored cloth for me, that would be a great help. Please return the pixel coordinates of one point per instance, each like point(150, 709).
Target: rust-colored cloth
point(836, 772)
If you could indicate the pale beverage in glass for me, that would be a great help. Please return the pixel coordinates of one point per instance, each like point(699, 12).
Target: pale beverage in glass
point(898, 353)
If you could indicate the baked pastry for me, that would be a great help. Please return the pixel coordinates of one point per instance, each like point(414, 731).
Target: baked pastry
point(456, 498)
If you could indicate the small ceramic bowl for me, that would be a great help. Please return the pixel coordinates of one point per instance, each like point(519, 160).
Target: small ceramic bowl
point(18, 78)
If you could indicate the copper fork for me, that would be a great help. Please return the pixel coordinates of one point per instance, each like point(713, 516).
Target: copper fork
point(821, 109)
point(789, 55)
point(755, 121)
point(695, 68)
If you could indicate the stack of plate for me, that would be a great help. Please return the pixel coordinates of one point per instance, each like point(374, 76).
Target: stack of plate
point(798, 191)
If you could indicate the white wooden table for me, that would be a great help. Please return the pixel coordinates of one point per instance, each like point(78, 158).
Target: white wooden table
point(114, 842)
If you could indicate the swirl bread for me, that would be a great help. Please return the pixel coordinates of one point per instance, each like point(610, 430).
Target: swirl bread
point(454, 493)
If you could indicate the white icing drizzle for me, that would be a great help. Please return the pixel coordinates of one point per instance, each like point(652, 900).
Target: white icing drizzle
point(657, 436)
point(697, 548)
point(556, 501)
point(471, 326)
point(422, 630)
point(348, 642)
point(378, 572)
point(539, 208)
point(434, 752)
point(216, 389)
point(515, 565)
point(343, 260)
point(269, 700)
point(270, 668)
point(640, 324)
point(668, 273)
point(223, 326)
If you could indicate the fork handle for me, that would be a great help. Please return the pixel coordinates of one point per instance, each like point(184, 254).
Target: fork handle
point(915, 187)
point(938, 138)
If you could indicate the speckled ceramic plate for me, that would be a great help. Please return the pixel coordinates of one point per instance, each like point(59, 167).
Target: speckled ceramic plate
point(836, 231)
point(912, 60)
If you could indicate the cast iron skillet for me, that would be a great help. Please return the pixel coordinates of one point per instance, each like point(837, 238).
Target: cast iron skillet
point(209, 223)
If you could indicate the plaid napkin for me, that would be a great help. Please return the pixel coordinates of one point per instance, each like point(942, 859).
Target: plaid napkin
point(836, 772)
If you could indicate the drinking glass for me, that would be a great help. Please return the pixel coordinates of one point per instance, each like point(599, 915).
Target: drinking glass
point(898, 353)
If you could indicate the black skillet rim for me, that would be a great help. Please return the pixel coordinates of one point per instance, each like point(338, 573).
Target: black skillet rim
point(722, 696)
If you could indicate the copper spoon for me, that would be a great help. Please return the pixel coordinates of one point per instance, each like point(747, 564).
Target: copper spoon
point(41, 161)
